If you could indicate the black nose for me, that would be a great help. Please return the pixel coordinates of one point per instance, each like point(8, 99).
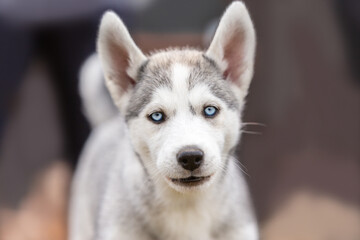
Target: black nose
point(190, 158)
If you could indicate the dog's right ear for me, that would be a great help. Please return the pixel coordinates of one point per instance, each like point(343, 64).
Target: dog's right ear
point(120, 57)
point(233, 46)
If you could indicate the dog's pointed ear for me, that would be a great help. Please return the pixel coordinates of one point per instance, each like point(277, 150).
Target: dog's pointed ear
point(119, 55)
point(233, 46)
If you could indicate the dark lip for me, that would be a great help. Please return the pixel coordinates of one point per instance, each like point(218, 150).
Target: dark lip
point(190, 181)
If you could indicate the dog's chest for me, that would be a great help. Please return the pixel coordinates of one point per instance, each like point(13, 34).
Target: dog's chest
point(185, 223)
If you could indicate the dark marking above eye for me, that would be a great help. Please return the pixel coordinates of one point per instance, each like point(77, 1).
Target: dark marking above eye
point(211, 61)
point(151, 76)
point(192, 109)
point(142, 68)
point(209, 73)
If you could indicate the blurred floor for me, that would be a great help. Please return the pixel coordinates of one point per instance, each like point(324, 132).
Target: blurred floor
point(313, 216)
point(41, 215)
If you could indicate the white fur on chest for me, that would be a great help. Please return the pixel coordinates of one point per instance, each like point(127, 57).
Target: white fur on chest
point(190, 220)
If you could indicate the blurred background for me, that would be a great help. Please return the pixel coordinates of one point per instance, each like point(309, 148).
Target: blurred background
point(303, 166)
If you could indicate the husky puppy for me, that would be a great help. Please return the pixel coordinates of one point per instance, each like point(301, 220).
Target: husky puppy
point(165, 169)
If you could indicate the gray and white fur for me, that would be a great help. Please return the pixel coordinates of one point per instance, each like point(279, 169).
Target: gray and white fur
point(164, 168)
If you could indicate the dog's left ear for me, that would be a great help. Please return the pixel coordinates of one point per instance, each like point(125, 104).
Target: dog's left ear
point(120, 57)
point(233, 46)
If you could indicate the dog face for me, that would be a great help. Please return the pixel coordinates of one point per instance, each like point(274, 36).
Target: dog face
point(184, 116)
point(182, 106)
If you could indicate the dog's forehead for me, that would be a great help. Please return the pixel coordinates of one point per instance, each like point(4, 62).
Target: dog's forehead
point(159, 67)
point(158, 72)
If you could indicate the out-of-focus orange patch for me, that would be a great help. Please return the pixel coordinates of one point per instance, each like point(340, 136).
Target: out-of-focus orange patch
point(42, 214)
point(310, 216)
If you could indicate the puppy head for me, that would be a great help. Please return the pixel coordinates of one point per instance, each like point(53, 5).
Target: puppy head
point(182, 106)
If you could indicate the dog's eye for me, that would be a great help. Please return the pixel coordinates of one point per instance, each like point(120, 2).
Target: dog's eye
point(210, 111)
point(157, 117)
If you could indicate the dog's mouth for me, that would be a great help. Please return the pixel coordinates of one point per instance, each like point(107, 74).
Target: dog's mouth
point(190, 181)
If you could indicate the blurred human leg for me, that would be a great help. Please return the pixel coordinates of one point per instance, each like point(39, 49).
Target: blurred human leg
point(66, 46)
point(16, 46)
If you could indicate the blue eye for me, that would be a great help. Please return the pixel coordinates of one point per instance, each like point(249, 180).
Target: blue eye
point(157, 117)
point(210, 111)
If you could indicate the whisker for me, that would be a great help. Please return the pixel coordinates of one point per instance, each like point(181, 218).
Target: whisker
point(251, 132)
point(241, 165)
point(254, 123)
point(248, 124)
point(238, 164)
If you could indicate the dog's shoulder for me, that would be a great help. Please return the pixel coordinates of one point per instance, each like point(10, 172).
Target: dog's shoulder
point(101, 148)
point(90, 179)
